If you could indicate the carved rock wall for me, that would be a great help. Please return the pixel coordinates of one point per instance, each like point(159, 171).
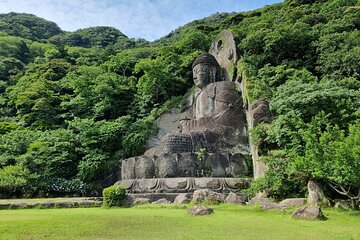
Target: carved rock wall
point(225, 51)
point(184, 165)
point(184, 185)
point(216, 118)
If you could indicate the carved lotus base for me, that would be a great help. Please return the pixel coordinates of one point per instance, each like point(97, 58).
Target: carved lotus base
point(184, 185)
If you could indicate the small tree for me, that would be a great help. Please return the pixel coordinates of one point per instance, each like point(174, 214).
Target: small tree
point(334, 157)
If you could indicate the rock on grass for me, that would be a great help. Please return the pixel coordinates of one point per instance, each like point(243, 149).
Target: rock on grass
point(200, 210)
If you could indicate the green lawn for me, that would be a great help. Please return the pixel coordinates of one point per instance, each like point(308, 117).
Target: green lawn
point(171, 223)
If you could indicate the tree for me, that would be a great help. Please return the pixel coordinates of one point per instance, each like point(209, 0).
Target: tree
point(157, 85)
point(333, 156)
point(28, 26)
point(308, 99)
point(36, 95)
point(101, 147)
point(97, 94)
point(12, 180)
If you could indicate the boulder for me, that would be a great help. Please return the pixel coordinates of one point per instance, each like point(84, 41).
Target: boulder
point(316, 195)
point(162, 201)
point(309, 213)
point(200, 210)
point(293, 202)
point(141, 201)
point(208, 196)
point(182, 198)
point(260, 198)
point(127, 201)
point(234, 199)
point(264, 202)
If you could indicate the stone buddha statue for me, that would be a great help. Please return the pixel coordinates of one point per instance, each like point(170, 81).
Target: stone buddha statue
point(216, 105)
point(217, 128)
point(204, 145)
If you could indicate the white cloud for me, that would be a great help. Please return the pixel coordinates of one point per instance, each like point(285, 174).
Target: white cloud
point(149, 19)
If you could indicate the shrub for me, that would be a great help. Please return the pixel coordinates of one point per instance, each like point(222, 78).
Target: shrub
point(279, 181)
point(113, 195)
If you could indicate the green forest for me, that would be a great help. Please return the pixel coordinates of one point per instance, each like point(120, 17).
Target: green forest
point(73, 104)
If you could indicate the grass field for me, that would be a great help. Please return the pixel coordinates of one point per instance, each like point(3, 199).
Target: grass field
point(171, 223)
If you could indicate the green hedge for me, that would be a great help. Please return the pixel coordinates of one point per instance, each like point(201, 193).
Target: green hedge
point(112, 196)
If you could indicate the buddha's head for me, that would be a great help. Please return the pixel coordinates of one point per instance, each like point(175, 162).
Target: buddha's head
point(205, 70)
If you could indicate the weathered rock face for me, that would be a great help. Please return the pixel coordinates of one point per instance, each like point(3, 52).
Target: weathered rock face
point(144, 167)
point(261, 112)
point(309, 213)
point(225, 52)
point(128, 168)
point(200, 210)
point(316, 195)
point(256, 113)
point(238, 165)
point(218, 164)
point(187, 165)
point(184, 165)
point(166, 123)
point(166, 166)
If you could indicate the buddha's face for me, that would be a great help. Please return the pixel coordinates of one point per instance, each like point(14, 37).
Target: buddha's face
point(203, 74)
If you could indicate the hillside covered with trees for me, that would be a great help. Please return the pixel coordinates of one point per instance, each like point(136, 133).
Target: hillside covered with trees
point(73, 104)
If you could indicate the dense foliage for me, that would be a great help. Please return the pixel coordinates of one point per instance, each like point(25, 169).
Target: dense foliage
point(303, 56)
point(73, 104)
point(113, 196)
point(28, 26)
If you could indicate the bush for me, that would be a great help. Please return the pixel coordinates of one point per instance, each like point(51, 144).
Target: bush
point(279, 181)
point(113, 195)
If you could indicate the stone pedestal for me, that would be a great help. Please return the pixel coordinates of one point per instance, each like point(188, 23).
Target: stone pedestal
point(184, 185)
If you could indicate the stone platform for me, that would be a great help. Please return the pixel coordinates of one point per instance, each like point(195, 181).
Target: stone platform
point(154, 196)
point(184, 185)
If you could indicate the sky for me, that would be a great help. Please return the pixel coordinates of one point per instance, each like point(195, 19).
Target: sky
point(148, 19)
